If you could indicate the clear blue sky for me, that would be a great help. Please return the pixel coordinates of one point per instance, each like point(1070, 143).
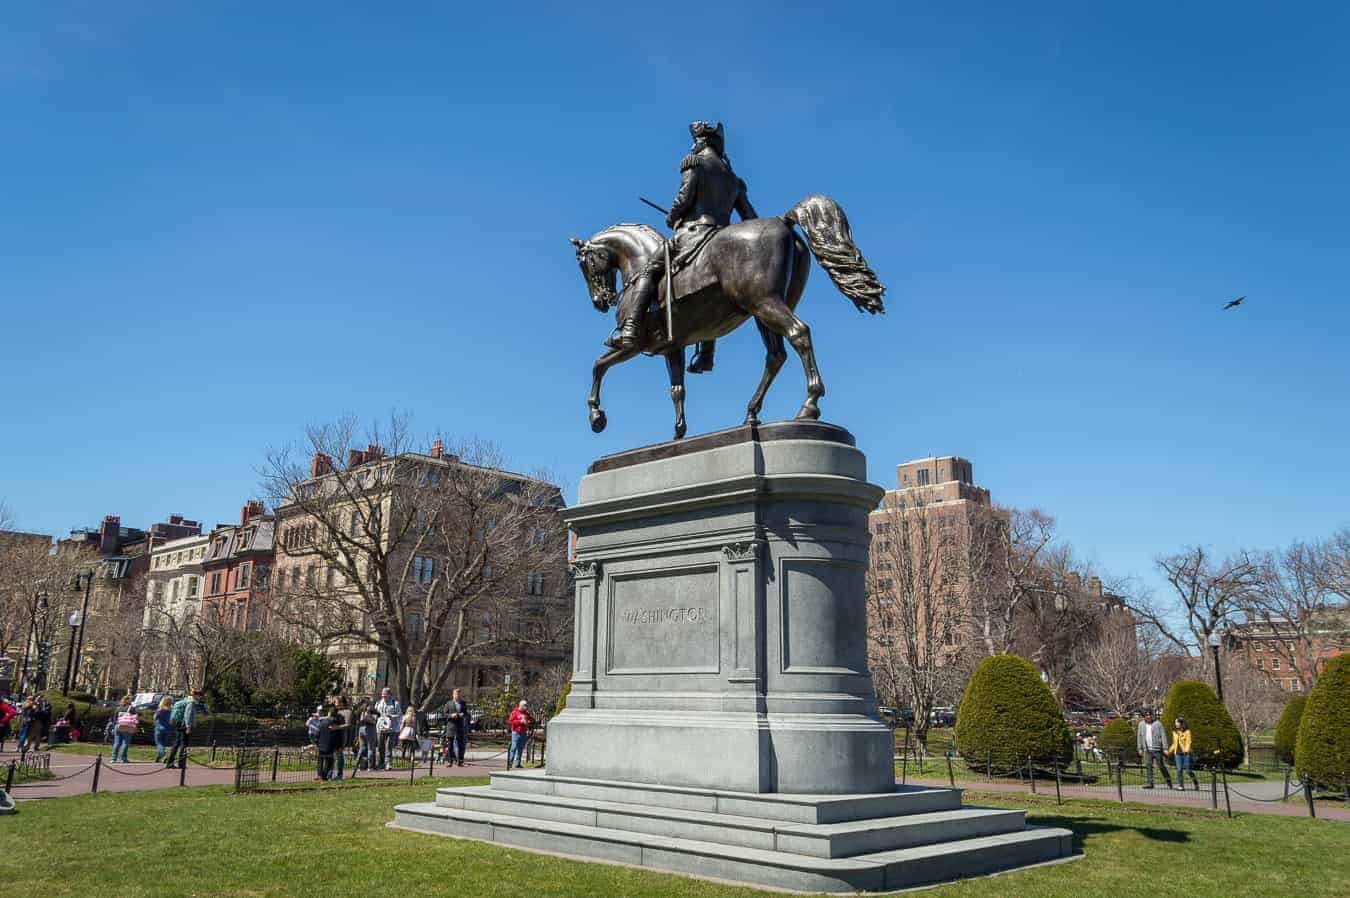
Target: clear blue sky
point(221, 222)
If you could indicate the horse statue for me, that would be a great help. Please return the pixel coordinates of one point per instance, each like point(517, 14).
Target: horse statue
point(750, 269)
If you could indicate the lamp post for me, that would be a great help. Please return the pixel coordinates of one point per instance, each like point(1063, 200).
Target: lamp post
point(1215, 640)
point(75, 621)
point(75, 584)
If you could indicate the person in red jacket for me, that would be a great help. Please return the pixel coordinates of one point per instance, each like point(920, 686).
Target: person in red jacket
point(521, 722)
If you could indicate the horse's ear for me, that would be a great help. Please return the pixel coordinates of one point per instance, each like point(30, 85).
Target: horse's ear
point(577, 243)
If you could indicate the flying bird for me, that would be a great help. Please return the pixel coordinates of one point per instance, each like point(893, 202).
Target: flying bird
point(1234, 303)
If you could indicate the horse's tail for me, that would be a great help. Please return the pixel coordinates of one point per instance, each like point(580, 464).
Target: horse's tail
point(827, 233)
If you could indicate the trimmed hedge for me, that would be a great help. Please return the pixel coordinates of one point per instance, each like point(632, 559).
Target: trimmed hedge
point(561, 703)
point(1212, 728)
point(1118, 740)
point(1322, 753)
point(1008, 714)
point(1286, 731)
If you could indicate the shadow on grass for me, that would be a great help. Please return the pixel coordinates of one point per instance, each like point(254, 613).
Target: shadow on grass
point(1085, 827)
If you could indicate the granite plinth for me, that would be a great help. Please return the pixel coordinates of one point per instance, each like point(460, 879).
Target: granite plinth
point(911, 836)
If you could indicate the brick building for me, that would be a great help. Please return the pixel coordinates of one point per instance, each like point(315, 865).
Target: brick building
point(235, 569)
point(1291, 653)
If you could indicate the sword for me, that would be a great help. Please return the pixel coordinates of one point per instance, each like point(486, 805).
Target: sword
point(670, 293)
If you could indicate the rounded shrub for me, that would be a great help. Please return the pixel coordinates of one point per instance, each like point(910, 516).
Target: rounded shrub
point(1215, 740)
point(1322, 753)
point(561, 703)
point(1117, 740)
point(1008, 715)
point(1286, 731)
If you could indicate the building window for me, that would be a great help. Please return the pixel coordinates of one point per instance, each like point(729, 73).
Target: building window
point(241, 579)
point(295, 578)
point(1274, 663)
point(424, 569)
point(1260, 663)
point(215, 583)
point(1257, 647)
point(192, 586)
point(414, 625)
point(330, 578)
point(173, 593)
point(923, 477)
point(1296, 685)
point(534, 584)
point(354, 527)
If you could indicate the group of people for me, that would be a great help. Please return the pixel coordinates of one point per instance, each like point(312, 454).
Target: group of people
point(377, 732)
point(173, 723)
point(32, 715)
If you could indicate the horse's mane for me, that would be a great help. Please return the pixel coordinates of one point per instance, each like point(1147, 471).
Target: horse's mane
point(646, 231)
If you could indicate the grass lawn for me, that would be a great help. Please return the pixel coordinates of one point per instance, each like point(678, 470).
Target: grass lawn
point(333, 841)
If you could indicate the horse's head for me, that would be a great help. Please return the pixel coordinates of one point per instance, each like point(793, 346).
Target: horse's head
point(597, 268)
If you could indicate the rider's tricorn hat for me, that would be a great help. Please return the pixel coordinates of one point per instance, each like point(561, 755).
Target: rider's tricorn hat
point(708, 131)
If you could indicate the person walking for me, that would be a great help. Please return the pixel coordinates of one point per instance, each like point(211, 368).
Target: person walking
point(407, 735)
point(182, 717)
point(25, 723)
point(1180, 751)
point(1151, 741)
point(347, 724)
point(521, 722)
point(126, 725)
point(388, 713)
point(457, 730)
point(328, 743)
point(369, 738)
point(163, 728)
point(7, 713)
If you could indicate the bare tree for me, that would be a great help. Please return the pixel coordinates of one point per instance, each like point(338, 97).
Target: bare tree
point(427, 559)
point(917, 616)
point(1119, 671)
point(549, 687)
point(1252, 698)
point(1298, 603)
point(35, 593)
point(1004, 563)
point(1205, 596)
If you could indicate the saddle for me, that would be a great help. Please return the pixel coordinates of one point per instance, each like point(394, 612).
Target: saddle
point(687, 276)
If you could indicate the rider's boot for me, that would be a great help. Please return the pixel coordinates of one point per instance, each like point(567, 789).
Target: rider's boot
point(703, 358)
point(628, 334)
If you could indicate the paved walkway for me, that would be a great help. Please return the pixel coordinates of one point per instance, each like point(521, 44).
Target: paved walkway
point(1262, 796)
point(76, 775)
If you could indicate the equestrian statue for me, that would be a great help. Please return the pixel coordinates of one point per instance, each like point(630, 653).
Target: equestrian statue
point(721, 274)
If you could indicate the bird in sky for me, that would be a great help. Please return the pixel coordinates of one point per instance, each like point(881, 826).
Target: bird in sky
point(1234, 303)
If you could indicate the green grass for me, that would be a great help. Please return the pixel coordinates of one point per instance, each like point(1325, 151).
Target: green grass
point(333, 841)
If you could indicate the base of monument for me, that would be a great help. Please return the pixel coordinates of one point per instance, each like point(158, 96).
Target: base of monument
point(913, 836)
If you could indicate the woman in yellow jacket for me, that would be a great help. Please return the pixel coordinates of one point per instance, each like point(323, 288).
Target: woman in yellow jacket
point(1180, 750)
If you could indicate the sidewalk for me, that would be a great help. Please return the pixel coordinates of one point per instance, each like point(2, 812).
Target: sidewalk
point(1267, 791)
point(137, 776)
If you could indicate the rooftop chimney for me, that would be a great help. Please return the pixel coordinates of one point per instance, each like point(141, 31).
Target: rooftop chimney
point(109, 534)
point(320, 465)
point(354, 458)
point(373, 452)
point(436, 448)
point(251, 510)
point(175, 519)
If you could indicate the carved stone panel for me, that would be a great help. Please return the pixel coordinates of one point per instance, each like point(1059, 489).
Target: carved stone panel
point(665, 621)
point(823, 617)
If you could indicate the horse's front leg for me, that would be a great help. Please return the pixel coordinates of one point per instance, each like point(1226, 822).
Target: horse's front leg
point(611, 358)
point(675, 365)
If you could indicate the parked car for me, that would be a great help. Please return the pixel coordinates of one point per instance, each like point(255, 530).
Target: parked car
point(146, 701)
point(942, 717)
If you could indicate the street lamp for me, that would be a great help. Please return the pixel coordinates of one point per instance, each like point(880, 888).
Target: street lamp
point(1215, 640)
point(75, 621)
point(85, 580)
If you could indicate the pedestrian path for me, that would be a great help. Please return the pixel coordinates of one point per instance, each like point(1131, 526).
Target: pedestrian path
point(75, 773)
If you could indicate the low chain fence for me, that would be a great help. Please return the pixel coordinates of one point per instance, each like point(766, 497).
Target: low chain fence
point(1089, 776)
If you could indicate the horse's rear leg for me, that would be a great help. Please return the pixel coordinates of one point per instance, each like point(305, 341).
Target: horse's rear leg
point(675, 365)
point(778, 317)
point(604, 363)
point(774, 356)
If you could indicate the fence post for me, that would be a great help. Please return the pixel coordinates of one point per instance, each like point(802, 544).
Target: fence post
point(1059, 799)
point(1120, 778)
point(431, 762)
point(276, 756)
point(1227, 802)
point(1307, 793)
point(1031, 774)
point(9, 777)
point(182, 771)
point(989, 766)
point(238, 768)
point(904, 760)
point(1213, 789)
point(98, 765)
point(412, 770)
point(213, 751)
point(951, 773)
point(1287, 771)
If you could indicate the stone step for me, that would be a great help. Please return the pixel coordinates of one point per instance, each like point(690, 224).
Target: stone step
point(769, 806)
point(827, 840)
point(878, 871)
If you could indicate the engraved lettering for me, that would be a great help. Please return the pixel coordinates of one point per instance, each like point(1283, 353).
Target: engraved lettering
point(651, 616)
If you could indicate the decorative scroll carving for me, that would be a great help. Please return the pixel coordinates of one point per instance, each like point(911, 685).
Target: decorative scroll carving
point(741, 551)
point(585, 569)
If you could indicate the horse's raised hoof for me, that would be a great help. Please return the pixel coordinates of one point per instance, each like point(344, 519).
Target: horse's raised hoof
point(679, 430)
point(598, 420)
point(808, 412)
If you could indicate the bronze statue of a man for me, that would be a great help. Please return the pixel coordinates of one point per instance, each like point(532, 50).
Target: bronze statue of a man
point(709, 192)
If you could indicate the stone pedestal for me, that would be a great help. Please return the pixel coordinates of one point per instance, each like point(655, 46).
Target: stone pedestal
point(720, 620)
point(722, 720)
